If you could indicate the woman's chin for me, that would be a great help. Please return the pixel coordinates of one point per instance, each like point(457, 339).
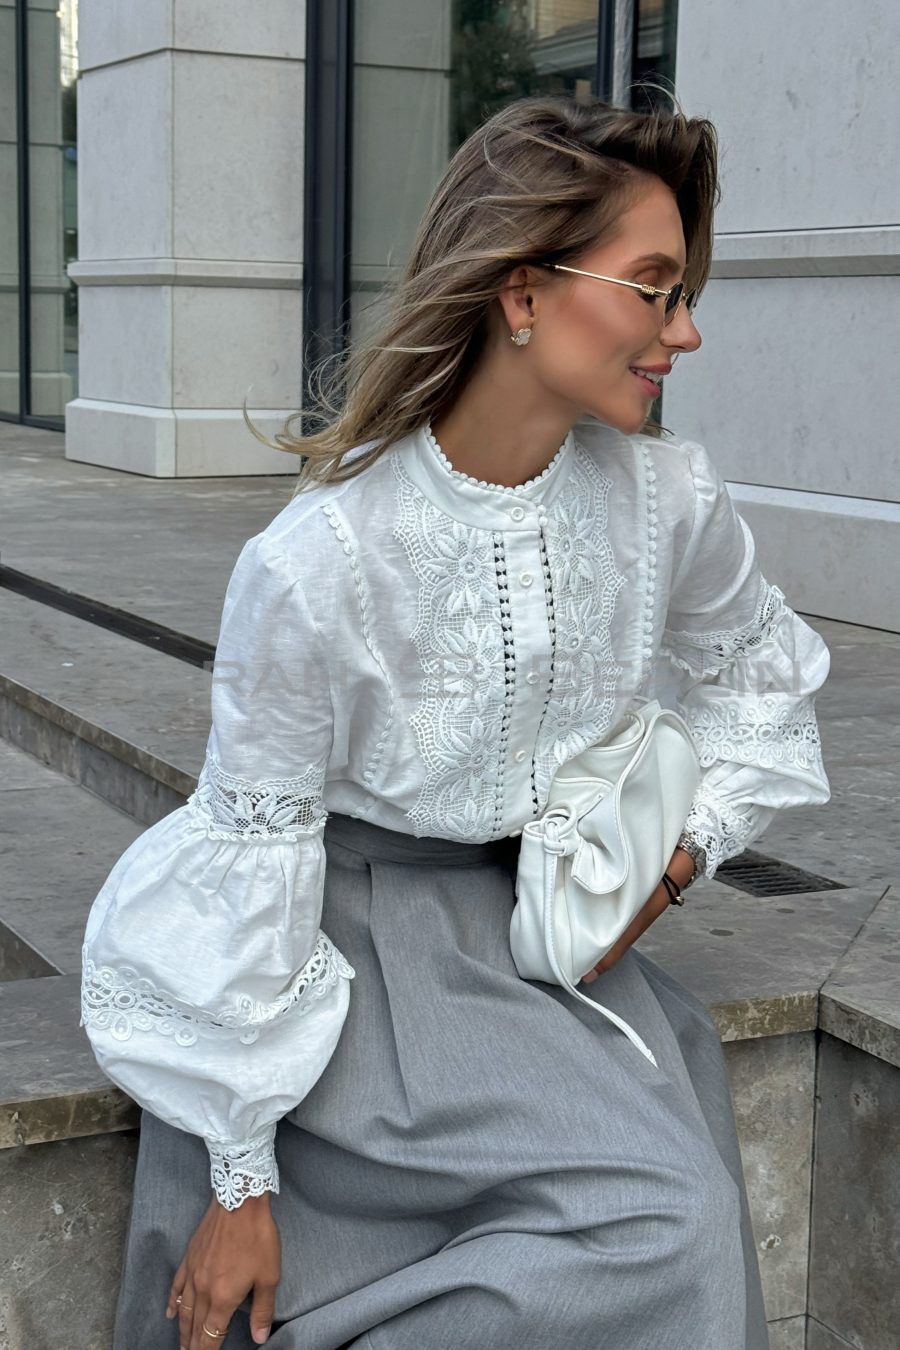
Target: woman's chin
point(621, 419)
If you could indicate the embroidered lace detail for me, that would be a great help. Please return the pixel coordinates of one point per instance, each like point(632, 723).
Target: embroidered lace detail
point(585, 584)
point(762, 729)
point(481, 482)
point(334, 519)
point(121, 1001)
point(704, 654)
point(281, 809)
point(551, 623)
point(509, 668)
point(720, 830)
point(458, 722)
point(652, 531)
point(241, 1169)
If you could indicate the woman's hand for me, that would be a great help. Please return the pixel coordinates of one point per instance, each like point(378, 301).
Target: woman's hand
point(680, 869)
point(231, 1252)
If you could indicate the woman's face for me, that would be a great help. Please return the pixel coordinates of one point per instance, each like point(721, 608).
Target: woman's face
point(588, 336)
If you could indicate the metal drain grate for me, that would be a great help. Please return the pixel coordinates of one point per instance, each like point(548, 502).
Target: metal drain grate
point(758, 874)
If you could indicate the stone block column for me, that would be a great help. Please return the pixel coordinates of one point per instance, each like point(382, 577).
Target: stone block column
point(190, 184)
point(793, 391)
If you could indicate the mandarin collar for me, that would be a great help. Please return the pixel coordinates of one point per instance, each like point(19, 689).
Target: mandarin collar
point(491, 506)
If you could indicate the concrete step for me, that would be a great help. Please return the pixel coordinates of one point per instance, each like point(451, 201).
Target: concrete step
point(58, 843)
point(159, 548)
point(122, 720)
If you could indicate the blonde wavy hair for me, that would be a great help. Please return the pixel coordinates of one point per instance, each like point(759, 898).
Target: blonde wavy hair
point(542, 180)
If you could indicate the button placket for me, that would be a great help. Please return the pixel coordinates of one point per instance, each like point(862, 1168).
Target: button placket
point(533, 654)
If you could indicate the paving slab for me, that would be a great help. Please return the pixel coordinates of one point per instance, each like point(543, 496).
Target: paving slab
point(161, 548)
point(758, 962)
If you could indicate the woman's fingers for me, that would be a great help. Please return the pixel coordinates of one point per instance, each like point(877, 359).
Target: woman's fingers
point(199, 1340)
point(186, 1315)
point(217, 1317)
point(176, 1290)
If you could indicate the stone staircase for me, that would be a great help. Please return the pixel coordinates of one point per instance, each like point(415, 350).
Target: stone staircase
point(101, 735)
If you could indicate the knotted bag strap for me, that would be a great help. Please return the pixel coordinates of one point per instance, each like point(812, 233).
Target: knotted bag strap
point(552, 853)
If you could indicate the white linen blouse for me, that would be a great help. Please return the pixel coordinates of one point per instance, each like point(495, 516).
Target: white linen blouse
point(422, 649)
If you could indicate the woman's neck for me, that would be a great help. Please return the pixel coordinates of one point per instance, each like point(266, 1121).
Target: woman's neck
point(500, 435)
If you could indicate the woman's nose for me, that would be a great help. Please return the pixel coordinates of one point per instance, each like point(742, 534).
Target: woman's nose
point(682, 333)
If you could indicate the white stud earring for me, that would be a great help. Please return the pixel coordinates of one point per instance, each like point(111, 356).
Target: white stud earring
point(521, 338)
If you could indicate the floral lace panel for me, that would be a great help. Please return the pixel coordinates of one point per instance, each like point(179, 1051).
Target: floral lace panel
point(281, 809)
point(121, 1001)
point(239, 1170)
point(460, 636)
point(720, 830)
point(704, 654)
point(585, 583)
point(761, 729)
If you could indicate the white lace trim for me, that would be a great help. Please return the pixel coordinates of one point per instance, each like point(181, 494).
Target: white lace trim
point(482, 482)
point(458, 636)
point(241, 1169)
point(282, 809)
point(720, 830)
point(761, 729)
point(121, 1001)
point(652, 526)
point(704, 654)
point(509, 668)
point(585, 586)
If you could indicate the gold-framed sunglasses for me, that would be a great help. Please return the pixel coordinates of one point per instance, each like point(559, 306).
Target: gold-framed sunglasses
point(675, 295)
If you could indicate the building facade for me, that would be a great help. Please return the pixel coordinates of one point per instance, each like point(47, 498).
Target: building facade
point(250, 177)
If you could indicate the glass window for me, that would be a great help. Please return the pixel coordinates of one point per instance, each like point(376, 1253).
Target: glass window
point(52, 75)
point(9, 217)
point(653, 57)
point(425, 75)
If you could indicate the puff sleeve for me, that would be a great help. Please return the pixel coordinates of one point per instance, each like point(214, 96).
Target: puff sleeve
point(209, 992)
point(748, 670)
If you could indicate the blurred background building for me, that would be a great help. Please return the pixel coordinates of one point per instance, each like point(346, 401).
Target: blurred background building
point(199, 200)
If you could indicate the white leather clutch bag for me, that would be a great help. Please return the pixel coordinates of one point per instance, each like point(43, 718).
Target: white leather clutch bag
point(599, 850)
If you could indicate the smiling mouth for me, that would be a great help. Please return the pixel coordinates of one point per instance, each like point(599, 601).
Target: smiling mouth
point(651, 383)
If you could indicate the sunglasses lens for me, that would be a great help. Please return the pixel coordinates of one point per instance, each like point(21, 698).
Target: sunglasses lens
point(672, 302)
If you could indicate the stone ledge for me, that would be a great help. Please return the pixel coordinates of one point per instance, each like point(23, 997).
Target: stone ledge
point(51, 1086)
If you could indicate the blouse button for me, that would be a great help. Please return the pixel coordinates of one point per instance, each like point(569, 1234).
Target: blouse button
point(517, 513)
point(526, 578)
point(520, 755)
point(531, 677)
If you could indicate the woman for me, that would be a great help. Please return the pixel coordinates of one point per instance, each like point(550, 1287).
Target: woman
point(490, 557)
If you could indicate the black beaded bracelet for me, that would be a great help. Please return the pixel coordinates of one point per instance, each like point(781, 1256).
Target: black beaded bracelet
point(671, 885)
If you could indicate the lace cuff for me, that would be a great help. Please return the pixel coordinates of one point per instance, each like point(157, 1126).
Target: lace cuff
point(720, 830)
point(242, 1168)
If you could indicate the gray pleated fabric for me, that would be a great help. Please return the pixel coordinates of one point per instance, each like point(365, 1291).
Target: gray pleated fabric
point(485, 1161)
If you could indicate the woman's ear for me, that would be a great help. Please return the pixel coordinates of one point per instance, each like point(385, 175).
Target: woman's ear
point(516, 298)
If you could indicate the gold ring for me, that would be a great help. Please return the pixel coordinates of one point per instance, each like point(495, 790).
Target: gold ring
point(185, 1307)
point(217, 1335)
